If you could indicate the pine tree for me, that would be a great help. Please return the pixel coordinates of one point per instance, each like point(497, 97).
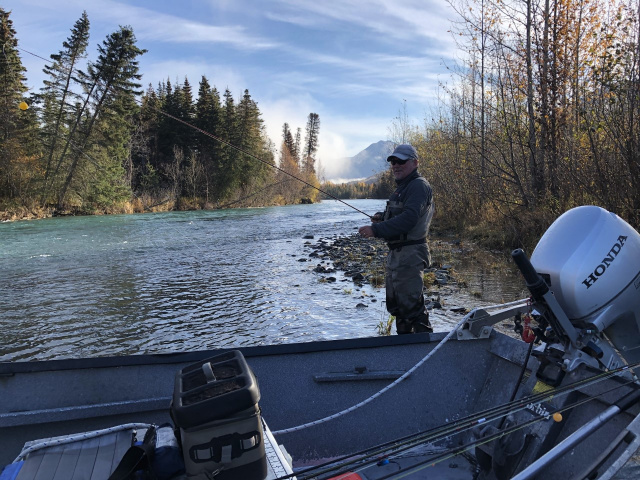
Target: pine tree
point(228, 179)
point(57, 95)
point(111, 84)
point(145, 151)
point(17, 126)
point(288, 142)
point(250, 132)
point(308, 161)
point(209, 119)
point(311, 143)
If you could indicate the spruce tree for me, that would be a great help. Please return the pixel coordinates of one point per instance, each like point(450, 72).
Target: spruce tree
point(252, 172)
point(311, 143)
point(57, 96)
point(17, 124)
point(229, 171)
point(111, 85)
point(208, 118)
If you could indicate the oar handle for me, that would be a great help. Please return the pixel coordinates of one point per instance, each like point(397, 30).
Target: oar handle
point(535, 283)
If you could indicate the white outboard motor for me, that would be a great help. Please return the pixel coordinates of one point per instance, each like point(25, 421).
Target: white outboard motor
point(590, 258)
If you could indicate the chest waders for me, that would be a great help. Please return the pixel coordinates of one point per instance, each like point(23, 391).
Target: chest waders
point(408, 257)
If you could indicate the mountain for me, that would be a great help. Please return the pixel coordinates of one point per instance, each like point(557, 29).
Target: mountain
point(368, 163)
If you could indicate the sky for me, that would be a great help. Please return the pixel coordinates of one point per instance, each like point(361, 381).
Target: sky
point(356, 63)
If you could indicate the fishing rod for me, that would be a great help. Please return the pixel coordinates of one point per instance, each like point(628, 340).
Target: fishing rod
point(244, 152)
point(229, 144)
point(432, 461)
point(461, 425)
point(249, 196)
point(489, 438)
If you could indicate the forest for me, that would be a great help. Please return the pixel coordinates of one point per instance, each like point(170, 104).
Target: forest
point(543, 116)
point(540, 114)
point(92, 141)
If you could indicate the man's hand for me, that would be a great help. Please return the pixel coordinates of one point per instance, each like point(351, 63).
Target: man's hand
point(378, 217)
point(366, 231)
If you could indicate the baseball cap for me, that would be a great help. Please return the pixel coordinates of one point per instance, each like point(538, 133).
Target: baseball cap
point(404, 152)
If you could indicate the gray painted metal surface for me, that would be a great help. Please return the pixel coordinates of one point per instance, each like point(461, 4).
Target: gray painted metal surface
point(298, 384)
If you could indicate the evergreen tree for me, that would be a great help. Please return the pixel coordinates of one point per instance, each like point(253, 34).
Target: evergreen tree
point(308, 161)
point(208, 118)
point(297, 144)
point(250, 130)
point(288, 141)
point(311, 143)
point(229, 168)
point(57, 95)
point(111, 85)
point(17, 126)
point(146, 150)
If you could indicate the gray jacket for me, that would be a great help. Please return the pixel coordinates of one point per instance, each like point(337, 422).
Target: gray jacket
point(408, 213)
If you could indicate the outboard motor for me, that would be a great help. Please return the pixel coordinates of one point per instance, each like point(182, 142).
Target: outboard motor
point(584, 280)
point(590, 259)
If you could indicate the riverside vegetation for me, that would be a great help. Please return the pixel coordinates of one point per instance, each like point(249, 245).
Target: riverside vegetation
point(541, 115)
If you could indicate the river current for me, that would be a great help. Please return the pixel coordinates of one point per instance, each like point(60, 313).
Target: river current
point(166, 282)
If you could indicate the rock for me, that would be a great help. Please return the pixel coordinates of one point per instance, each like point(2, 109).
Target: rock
point(361, 305)
point(434, 304)
point(308, 237)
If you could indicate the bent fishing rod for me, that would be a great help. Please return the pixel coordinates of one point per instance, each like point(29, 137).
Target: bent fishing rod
point(238, 149)
point(229, 144)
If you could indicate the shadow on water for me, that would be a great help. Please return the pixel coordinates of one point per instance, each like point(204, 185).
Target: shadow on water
point(166, 282)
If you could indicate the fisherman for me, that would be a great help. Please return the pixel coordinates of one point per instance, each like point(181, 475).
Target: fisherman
point(404, 225)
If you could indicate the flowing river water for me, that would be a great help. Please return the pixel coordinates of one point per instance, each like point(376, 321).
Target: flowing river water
point(166, 282)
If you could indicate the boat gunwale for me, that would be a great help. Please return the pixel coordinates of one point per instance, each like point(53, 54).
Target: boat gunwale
point(11, 368)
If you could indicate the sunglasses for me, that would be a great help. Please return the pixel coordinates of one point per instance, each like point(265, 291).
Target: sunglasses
point(397, 161)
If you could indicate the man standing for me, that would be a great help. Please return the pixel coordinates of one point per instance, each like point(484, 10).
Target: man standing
point(405, 225)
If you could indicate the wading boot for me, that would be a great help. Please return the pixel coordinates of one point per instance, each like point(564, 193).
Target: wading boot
point(403, 326)
point(422, 324)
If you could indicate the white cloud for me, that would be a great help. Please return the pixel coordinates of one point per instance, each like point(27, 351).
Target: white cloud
point(340, 136)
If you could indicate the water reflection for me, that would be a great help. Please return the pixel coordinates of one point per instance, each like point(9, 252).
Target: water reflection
point(126, 284)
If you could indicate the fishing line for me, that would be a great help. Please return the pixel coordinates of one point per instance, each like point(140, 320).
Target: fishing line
point(472, 420)
point(238, 149)
point(228, 144)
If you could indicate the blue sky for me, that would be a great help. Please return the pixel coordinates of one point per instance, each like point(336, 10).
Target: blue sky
point(352, 62)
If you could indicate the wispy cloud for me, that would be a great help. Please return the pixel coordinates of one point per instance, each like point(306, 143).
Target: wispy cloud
point(353, 62)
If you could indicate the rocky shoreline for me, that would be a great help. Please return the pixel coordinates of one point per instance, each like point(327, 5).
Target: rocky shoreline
point(362, 261)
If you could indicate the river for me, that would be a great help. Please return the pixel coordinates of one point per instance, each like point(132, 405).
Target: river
point(165, 282)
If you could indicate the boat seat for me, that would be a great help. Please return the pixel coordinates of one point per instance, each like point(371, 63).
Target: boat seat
point(97, 458)
point(91, 459)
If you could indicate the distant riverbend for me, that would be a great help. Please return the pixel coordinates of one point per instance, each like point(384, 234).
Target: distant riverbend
point(165, 282)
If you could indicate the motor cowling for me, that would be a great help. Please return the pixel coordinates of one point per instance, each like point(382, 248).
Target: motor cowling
point(590, 258)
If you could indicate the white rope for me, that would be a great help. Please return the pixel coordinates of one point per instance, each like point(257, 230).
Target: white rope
point(404, 376)
point(78, 437)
